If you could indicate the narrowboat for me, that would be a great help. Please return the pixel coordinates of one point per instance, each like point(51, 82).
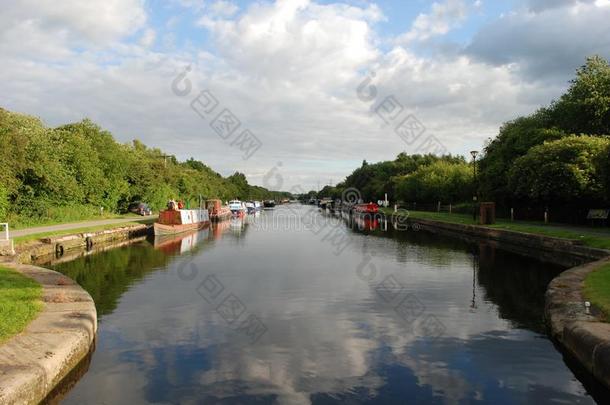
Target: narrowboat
point(217, 211)
point(172, 221)
point(370, 208)
point(269, 203)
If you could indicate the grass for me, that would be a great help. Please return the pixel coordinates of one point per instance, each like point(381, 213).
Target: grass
point(593, 237)
point(597, 289)
point(20, 240)
point(19, 302)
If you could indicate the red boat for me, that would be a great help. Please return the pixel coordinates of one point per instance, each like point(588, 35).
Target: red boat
point(218, 212)
point(177, 221)
point(370, 208)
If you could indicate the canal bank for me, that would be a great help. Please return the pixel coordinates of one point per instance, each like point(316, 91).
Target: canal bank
point(584, 335)
point(58, 246)
point(53, 346)
point(35, 361)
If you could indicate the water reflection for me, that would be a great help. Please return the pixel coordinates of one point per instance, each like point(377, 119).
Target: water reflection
point(332, 337)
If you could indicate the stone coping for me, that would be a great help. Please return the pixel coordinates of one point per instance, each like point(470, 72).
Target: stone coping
point(35, 361)
point(583, 335)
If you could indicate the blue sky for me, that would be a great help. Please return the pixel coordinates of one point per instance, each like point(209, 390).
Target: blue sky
point(289, 72)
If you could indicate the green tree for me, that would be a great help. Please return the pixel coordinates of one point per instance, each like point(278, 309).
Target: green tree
point(585, 107)
point(448, 182)
point(562, 171)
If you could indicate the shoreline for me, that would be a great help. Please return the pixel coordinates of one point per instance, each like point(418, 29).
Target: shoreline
point(583, 336)
point(35, 361)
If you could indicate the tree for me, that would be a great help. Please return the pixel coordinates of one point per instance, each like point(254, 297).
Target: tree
point(440, 181)
point(562, 171)
point(585, 107)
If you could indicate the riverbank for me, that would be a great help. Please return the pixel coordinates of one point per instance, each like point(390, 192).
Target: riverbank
point(598, 238)
point(46, 347)
point(582, 332)
point(57, 243)
point(562, 251)
point(35, 361)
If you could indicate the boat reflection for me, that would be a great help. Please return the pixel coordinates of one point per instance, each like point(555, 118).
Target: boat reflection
point(179, 244)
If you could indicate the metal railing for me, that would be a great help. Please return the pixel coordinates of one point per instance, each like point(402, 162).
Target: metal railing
point(4, 235)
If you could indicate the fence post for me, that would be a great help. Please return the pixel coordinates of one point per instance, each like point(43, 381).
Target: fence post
point(546, 216)
point(450, 208)
point(512, 214)
point(438, 207)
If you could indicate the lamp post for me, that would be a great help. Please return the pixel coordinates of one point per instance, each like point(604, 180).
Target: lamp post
point(474, 154)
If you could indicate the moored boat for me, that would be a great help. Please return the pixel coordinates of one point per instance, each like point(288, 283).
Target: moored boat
point(253, 206)
point(370, 208)
point(172, 221)
point(269, 203)
point(237, 207)
point(217, 211)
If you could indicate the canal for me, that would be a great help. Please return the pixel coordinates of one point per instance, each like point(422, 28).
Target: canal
point(299, 307)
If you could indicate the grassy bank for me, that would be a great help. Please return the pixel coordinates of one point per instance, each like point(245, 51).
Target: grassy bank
point(593, 237)
point(597, 289)
point(63, 216)
point(20, 240)
point(19, 302)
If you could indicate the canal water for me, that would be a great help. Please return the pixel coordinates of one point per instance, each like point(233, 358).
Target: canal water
point(299, 307)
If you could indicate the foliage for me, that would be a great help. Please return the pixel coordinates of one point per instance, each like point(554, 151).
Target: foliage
point(585, 107)
point(68, 173)
point(561, 171)
point(374, 180)
point(583, 110)
point(3, 203)
point(440, 181)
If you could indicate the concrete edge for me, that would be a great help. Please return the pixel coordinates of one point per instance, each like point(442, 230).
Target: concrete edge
point(564, 251)
point(35, 361)
point(583, 335)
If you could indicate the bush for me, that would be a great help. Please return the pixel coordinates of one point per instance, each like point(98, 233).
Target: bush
point(562, 171)
point(440, 181)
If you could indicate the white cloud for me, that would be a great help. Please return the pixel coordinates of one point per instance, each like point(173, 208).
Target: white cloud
point(289, 71)
point(442, 18)
point(148, 37)
point(223, 8)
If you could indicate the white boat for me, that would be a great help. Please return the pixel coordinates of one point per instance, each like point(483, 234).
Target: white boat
point(237, 207)
point(253, 206)
point(176, 221)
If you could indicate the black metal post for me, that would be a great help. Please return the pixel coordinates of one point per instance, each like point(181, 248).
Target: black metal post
point(474, 181)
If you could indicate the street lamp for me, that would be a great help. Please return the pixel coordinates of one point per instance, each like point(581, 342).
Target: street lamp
point(474, 154)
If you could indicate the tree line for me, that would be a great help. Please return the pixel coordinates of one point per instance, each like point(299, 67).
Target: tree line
point(556, 159)
point(69, 172)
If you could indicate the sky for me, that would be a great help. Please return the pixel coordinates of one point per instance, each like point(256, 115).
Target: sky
point(295, 93)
